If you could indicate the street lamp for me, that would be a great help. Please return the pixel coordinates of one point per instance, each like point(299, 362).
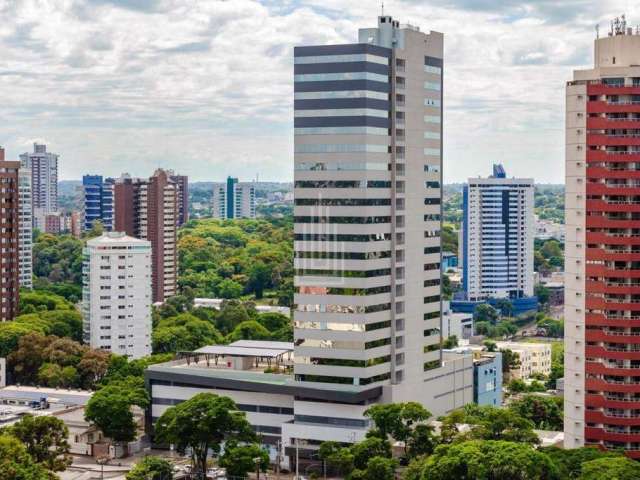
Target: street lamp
point(102, 461)
point(257, 461)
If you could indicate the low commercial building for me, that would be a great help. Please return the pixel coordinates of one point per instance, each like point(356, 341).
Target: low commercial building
point(534, 358)
point(459, 325)
point(487, 379)
point(217, 304)
point(258, 376)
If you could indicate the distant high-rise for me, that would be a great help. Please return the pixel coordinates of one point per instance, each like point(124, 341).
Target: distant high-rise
point(25, 246)
point(498, 230)
point(116, 294)
point(9, 247)
point(182, 182)
point(44, 180)
point(233, 199)
point(149, 209)
point(602, 248)
point(98, 201)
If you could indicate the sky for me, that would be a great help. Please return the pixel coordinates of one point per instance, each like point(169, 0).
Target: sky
point(206, 86)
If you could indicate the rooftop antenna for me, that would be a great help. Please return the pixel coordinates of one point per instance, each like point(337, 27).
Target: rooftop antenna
point(597, 31)
point(382, 7)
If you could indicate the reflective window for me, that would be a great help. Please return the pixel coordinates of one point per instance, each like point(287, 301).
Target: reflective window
point(430, 69)
point(432, 119)
point(341, 94)
point(432, 85)
point(431, 151)
point(341, 131)
point(342, 112)
point(355, 57)
point(320, 77)
point(432, 135)
point(340, 148)
point(341, 166)
point(431, 102)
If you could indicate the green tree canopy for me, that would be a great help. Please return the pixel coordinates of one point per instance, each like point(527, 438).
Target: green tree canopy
point(239, 459)
point(110, 408)
point(45, 439)
point(151, 468)
point(201, 424)
point(620, 468)
point(488, 460)
point(17, 464)
point(545, 412)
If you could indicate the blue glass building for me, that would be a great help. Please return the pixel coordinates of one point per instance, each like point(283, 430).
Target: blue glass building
point(98, 201)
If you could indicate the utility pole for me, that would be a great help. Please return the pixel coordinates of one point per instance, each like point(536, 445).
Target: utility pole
point(278, 446)
point(297, 461)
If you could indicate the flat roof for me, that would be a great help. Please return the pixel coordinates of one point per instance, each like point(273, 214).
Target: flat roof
point(235, 351)
point(263, 344)
point(70, 397)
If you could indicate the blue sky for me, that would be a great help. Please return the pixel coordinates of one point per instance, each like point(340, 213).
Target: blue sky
point(205, 86)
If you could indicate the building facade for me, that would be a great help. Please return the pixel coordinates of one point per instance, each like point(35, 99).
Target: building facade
point(98, 201)
point(534, 358)
point(9, 235)
point(487, 378)
point(149, 209)
point(602, 293)
point(44, 178)
point(498, 232)
point(116, 294)
point(25, 241)
point(182, 183)
point(234, 199)
point(367, 222)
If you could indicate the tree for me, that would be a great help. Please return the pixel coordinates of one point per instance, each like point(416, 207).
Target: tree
point(368, 448)
point(110, 408)
point(545, 412)
point(45, 438)
point(485, 313)
point(273, 321)
point(151, 468)
point(17, 464)
point(484, 460)
point(259, 279)
point(490, 346)
point(450, 342)
point(510, 360)
point(491, 423)
point(239, 460)
point(338, 457)
point(397, 419)
point(570, 461)
point(377, 468)
point(201, 424)
point(249, 330)
point(505, 307)
point(620, 468)
point(228, 288)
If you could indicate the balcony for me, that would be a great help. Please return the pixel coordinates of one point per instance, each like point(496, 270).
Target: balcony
point(602, 172)
point(609, 156)
point(608, 353)
point(609, 89)
point(613, 140)
point(600, 106)
point(611, 336)
point(603, 123)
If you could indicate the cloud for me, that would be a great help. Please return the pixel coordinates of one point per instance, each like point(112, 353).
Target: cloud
point(206, 86)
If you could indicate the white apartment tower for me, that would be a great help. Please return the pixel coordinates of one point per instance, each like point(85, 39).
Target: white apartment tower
point(234, 199)
point(367, 222)
point(44, 180)
point(497, 237)
point(116, 294)
point(25, 241)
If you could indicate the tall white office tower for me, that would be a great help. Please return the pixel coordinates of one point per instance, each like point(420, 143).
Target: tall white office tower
point(25, 240)
point(233, 199)
point(44, 182)
point(368, 174)
point(116, 294)
point(498, 231)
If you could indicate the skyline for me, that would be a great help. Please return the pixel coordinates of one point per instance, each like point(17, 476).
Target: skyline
point(206, 88)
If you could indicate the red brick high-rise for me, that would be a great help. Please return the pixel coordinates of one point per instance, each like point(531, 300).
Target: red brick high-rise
point(602, 250)
point(149, 209)
point(9, 236)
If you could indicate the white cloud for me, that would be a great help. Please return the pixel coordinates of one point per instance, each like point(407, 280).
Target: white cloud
point(206, 86)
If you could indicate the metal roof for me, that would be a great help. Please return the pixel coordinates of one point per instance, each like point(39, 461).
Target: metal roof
point(263, 344)
point(235, 351)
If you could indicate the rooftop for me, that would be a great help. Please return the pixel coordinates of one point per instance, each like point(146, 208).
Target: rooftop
point(115, 238)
